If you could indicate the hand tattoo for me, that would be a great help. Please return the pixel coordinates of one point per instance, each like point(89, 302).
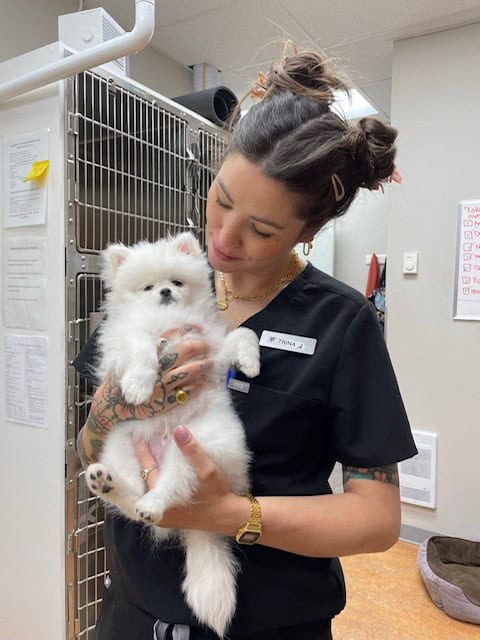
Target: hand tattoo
point(167, 360)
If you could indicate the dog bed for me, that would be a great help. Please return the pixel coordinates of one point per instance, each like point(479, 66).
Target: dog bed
point(450, 569)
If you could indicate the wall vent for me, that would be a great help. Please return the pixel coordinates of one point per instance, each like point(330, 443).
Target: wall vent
point(418, 476)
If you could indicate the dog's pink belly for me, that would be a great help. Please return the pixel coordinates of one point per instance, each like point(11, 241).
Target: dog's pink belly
point(158, 444)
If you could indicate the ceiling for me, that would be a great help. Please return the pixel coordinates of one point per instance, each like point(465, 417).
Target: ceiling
point(240, 37)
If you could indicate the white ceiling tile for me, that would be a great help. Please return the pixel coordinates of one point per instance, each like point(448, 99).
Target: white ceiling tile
point(365, 61)
point(166, 11)
point(237, 34)
point(173, 11)
point(345, 21)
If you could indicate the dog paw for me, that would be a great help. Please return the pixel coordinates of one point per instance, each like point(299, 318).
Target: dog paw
point(249, 362)
point(99, 480)
point(150, 509)
point(137, 388)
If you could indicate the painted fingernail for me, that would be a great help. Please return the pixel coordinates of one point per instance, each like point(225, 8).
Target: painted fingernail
point(182, 434)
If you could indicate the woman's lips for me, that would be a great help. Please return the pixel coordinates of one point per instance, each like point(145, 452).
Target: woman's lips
point(223, 256)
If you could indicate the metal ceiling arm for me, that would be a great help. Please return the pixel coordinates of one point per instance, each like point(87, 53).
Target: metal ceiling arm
point(126, 44)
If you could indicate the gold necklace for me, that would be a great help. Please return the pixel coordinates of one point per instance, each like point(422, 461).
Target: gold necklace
point(293, 270)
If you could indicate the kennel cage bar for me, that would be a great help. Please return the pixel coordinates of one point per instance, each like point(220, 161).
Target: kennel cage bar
point(140, 170)
point(125, 164)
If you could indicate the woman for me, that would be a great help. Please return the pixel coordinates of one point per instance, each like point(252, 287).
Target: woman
point(326, 390)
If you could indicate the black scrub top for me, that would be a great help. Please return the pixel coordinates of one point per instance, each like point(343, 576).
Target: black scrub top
point(301, 414)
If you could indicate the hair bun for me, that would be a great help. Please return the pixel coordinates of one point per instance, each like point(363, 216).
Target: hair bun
point(306, 73)
point(373, 148)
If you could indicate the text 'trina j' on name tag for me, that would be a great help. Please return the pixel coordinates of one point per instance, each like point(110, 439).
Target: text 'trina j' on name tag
point(288, 342)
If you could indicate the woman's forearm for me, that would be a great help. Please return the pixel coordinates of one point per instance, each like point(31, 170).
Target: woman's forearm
point(107, 409)
point(90, 439)
point(364, 520)
point(330, 526)
point(187, 366)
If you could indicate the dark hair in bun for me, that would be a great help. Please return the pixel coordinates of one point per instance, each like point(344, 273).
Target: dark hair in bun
point(293, 136)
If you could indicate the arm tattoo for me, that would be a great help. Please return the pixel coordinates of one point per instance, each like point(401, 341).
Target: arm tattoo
point(387, 474)
point(108, 409)
point(82, 454)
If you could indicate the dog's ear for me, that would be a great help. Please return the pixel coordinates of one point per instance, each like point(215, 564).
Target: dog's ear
point(187, 243)
point(111, 258)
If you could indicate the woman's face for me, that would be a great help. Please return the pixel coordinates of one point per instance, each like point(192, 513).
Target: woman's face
point(251, 222)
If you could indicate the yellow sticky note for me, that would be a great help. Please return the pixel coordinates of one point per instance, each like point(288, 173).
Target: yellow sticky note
point(38, 171)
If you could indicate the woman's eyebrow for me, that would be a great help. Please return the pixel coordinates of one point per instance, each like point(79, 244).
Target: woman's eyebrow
point(269, 222)
point(224, 189)
point(254, 218)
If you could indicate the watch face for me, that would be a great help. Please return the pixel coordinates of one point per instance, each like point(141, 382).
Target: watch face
point(249, 537)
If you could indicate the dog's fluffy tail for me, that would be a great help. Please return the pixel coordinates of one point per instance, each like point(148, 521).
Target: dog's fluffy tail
point(210, 581)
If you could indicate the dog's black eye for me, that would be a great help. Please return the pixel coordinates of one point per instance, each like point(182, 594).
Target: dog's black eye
point(177, 283)
point(148, 287)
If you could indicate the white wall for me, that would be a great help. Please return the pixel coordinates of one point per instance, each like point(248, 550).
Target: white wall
point(361, 231)
point(161, 73)
point(29, 24)
point(36, 25)
point(32, 473)
point(435, 104)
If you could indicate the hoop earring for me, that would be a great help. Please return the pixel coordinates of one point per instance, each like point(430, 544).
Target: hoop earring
point(307, 247)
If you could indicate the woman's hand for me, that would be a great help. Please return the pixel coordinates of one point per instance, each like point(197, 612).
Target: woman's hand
point(184, 366)
point(214, 507)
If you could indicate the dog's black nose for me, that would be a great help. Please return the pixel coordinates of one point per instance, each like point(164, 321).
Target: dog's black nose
point(165, 293)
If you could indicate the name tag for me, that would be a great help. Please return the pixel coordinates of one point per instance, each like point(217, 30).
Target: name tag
point(288, 342)
point(238, 385)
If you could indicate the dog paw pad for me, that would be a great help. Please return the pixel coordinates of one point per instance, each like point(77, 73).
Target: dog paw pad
point(99, 480)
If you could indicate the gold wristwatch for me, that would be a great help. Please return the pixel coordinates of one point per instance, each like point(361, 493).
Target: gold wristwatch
point(251, 531)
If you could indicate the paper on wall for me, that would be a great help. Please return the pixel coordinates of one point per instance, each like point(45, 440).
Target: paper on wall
point(25, 283)
point(467, 290)
point(25, 163)
point(26, 359)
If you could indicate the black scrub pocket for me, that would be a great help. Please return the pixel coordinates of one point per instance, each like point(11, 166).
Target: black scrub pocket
point(281, 429)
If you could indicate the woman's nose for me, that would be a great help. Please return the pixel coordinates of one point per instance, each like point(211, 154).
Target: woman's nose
point(229, 235)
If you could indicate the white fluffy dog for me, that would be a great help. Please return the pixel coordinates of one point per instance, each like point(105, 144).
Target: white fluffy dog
point(154, 287)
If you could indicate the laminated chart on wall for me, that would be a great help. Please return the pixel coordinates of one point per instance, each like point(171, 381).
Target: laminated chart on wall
point(24, 283)
point(26, 360)
point(25, 168)
point(467, 289)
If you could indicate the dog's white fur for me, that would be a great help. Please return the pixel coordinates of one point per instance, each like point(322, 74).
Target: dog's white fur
point(137, 314)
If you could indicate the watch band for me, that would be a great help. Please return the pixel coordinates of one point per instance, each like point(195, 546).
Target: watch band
point(251, 531)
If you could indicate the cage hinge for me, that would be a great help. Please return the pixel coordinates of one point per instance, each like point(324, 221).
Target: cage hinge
point(73, 331)
point(72, 123)
point(73, 544)
point(73, 628)
point(72, 192)
point(72, 394)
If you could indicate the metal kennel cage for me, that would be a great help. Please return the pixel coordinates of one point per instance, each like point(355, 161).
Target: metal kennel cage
point(125, 164)
point(138, 168)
